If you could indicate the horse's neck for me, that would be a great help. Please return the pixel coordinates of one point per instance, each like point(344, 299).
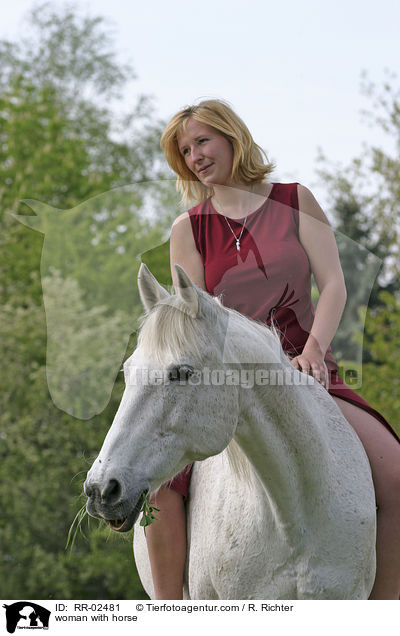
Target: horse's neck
point(278, 431)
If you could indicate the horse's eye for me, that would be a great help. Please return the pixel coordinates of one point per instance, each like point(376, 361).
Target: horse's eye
point(180, 373)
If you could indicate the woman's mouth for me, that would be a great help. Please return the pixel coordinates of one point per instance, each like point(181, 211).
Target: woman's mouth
point(205, 169)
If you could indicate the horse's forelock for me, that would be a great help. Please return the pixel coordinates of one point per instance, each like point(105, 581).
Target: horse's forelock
point(170, 331)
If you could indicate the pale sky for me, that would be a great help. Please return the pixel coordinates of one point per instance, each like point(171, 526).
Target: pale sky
point(292, 70)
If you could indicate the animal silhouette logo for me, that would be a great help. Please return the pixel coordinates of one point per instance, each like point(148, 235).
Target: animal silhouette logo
point(90, 259)
point(26, 615)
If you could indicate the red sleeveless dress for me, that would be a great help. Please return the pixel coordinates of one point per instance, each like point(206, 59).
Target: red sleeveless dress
point(269, 280)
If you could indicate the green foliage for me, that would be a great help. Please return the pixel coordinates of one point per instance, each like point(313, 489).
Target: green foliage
point(361, 263)
point(381, 377)
point(365, 195)
point(365, 205)
point(155, 259)
point(147, 509)
point(44, 458)
point(61, 143)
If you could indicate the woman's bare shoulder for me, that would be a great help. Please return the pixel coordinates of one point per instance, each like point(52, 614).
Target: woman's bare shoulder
point(181, 229)
point(182, 218)
point(309, 205)
point(184, 250)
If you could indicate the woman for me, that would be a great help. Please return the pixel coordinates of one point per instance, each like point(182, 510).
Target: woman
point(257, 243)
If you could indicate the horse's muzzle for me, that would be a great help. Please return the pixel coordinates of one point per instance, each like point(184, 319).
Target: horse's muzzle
point(108, 503)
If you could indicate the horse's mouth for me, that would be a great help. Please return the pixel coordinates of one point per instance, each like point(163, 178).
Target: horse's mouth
point(121, 525)
point(126, 523)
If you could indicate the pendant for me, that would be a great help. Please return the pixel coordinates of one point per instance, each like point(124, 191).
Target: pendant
point(238, 245)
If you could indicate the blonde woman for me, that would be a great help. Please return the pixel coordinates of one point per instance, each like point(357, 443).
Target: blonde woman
point(258, 243)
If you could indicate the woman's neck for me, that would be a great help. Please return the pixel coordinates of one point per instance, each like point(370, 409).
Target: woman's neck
point(239, 200)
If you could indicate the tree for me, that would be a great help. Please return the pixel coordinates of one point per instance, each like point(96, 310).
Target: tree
point(365, 196)
point(381, 377)
point(361, 262)
point(61, 144)
point(365, 204)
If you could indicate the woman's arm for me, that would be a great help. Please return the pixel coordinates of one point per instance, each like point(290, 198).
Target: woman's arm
point(317, 238)
point(183, 251)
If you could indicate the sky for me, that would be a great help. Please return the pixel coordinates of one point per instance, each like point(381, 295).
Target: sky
point(292, 70)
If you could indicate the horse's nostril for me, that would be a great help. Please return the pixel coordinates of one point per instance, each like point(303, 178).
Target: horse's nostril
point(112, 492)
point(88, 489)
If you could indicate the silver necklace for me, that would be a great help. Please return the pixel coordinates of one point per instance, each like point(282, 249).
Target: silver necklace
point(237, 238)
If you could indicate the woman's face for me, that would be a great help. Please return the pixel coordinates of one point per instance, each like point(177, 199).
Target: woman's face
point(207, 153)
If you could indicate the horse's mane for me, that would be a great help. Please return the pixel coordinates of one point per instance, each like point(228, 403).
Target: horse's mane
point(170, 333)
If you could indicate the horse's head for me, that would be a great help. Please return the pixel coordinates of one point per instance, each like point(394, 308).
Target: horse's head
point(176, 407)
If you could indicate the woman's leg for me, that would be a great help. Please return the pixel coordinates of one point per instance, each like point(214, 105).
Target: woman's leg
point(166, 544)
point(383, 451)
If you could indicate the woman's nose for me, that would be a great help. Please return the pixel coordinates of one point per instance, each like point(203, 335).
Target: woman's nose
point(195, 153)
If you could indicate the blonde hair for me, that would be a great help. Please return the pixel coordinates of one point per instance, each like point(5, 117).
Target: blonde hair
point(248, 164)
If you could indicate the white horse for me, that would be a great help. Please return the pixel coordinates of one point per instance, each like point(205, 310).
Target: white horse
point(289, 511)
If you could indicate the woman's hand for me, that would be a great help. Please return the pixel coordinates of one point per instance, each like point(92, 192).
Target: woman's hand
point(311, 361)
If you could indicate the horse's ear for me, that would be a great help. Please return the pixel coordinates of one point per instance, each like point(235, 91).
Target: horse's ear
point(150, 289)
point(186, 290)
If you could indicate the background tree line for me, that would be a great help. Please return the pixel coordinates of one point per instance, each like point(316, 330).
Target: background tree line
point(61, 143)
